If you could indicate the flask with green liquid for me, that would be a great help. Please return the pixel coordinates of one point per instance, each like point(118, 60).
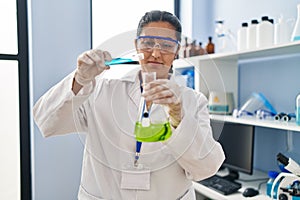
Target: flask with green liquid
point(152, 124)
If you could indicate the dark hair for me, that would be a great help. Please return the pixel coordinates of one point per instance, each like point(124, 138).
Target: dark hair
point(156, 16)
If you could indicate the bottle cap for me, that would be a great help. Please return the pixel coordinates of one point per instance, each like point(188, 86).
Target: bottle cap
point(254, 21)
point(264, 18)
point(219, 21)
point(244, 24)
point(271, 20)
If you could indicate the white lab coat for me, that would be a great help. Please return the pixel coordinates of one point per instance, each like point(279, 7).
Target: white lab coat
point(107, 111)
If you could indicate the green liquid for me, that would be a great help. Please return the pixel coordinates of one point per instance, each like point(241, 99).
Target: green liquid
point(152, 133)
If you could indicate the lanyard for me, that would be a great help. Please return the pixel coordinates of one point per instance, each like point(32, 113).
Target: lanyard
point(138, 144)
point(137, 152)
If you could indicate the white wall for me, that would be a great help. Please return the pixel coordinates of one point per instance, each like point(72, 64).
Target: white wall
point(60, 31)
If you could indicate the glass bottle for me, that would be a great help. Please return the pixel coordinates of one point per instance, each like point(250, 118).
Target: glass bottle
point(210, 47)
point(201, 50)
point(296, 31)
point(298, 110)
point(192, 50)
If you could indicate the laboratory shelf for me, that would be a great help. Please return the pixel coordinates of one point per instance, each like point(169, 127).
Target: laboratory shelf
point(268, 123)
point(219, 72)
point(275, 50)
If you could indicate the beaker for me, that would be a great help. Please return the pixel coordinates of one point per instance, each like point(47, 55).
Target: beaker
point(152, 124)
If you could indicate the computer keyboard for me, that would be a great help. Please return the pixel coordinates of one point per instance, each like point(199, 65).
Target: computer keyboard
point(221, 185)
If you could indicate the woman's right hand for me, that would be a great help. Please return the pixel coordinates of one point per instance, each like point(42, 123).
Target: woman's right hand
point(90, 64)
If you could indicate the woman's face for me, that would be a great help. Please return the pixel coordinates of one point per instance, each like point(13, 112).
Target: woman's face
point(159, 45)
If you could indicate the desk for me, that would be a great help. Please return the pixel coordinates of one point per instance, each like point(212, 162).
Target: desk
point(212, 194)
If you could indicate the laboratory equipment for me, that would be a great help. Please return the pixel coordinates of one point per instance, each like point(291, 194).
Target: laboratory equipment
point(225, 39)
point(256, 102)
point(220, 102)
point(265, 33)
point(242, 37)
point(272, 176)
point(118, 61)
point(165, 44)
point(283, 30)
point(288, 186)
point(296, 31)
point(298, 109)
point(251, 34)
point(288, 183)
point(284, 116)
point(210, 47)
point(264, 114)
point(190, 78)
point(153, 124)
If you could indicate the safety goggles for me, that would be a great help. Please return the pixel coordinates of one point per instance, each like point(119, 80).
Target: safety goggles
point(164, 44)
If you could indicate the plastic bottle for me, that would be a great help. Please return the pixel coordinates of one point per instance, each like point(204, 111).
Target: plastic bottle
point(220, 36)
point(210, 47)
point(298, 110)
point(265, 33)
point(190, 78)
point(225, 39)
point(272, 175)
point(251, 34)
point(242, 37)
point(296, 31)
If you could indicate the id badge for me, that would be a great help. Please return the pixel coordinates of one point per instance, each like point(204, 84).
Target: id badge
point(135, 178)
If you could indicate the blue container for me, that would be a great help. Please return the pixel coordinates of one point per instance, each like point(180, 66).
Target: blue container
point(190, 77)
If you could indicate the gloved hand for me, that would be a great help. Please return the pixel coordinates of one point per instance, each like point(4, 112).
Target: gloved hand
point(168, 93)
point(90, 64)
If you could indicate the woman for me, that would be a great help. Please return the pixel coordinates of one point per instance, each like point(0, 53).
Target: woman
point(107, 109)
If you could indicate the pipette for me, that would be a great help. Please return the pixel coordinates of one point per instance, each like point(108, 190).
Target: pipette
point(117, 61)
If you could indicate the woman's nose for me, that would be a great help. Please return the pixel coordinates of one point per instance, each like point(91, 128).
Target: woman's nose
point(156, 52)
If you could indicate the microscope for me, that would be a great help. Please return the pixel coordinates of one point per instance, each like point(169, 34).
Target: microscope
point(289, 183)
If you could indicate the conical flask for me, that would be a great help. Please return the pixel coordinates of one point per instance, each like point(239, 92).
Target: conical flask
point(152, 124)
point(296, 31)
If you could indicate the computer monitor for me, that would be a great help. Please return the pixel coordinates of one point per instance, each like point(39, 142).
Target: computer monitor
point(237, 141)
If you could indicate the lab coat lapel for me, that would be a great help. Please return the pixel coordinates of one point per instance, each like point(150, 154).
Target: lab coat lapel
point(134, 91)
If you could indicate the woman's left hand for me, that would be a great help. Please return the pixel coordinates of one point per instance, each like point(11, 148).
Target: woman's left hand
point(168, 93)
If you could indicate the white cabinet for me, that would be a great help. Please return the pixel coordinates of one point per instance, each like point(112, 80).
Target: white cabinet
point(219, 72)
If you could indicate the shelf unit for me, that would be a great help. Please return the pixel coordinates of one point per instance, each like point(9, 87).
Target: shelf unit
point(268, 123)
point(219, 72)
